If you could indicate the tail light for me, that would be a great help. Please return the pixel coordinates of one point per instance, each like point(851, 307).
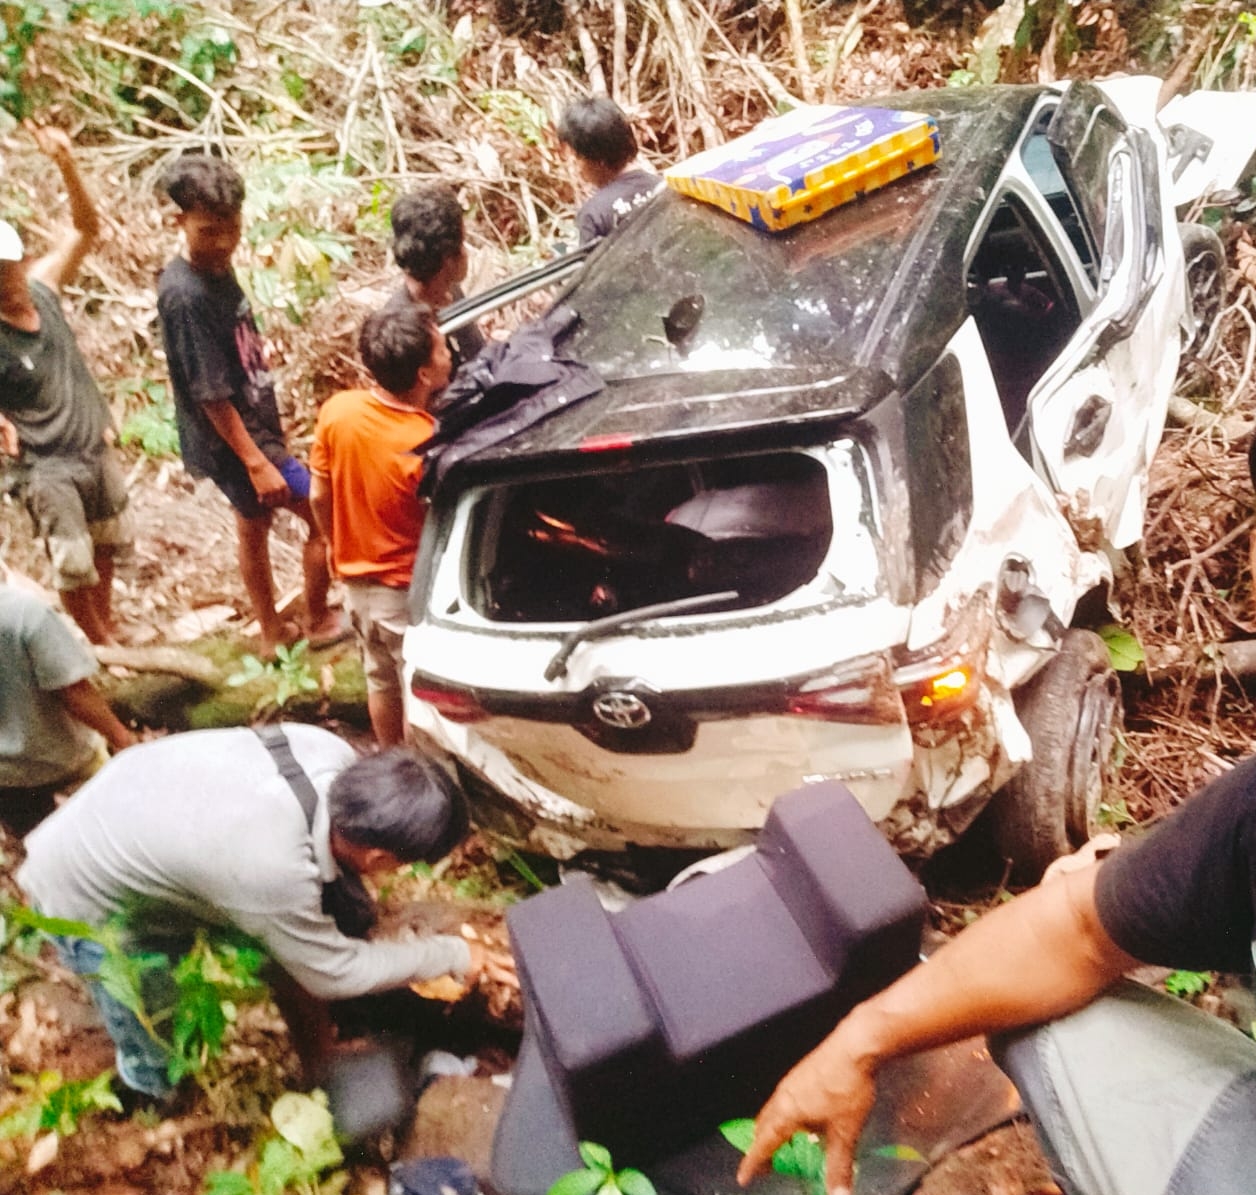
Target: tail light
point(943, 680)
point(861, 692)
point(934, 684)
point(449, 703)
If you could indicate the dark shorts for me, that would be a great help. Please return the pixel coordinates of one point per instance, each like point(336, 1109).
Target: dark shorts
point(233, 479)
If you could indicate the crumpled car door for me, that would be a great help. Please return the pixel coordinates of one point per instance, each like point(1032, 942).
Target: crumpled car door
point(1097, 415)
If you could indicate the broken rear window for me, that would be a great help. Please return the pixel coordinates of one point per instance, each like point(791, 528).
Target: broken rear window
point(584, 547)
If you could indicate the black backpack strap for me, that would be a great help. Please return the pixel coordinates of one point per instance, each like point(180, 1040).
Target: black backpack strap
point(276, 742)
point(345, 899)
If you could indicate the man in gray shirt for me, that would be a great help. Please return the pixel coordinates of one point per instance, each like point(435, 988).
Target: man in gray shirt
point(204, 828)
point(50, 712)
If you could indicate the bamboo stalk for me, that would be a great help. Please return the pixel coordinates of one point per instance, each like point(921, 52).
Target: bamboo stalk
point(619, 50)
point(798, 44)
point(588, 50)
point(351, 111)
point(695, 73)
point(397, 150)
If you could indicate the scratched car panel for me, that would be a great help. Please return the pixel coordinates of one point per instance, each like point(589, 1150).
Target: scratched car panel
point(840, 497)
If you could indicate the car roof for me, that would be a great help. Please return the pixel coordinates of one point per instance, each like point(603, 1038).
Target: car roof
point(795, 331)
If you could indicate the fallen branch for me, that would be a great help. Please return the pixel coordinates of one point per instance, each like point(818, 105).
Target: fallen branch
point(173, 661)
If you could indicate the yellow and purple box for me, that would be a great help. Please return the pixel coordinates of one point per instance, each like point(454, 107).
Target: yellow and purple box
point(795, 167)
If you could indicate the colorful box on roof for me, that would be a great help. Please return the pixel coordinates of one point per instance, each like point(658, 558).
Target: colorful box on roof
point(793, 168)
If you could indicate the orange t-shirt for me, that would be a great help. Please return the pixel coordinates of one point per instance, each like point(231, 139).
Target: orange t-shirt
point(363, 448)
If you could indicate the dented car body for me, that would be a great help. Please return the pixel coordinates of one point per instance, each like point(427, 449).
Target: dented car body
point(840, 497)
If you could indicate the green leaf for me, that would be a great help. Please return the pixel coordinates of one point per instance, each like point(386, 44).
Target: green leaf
point(900, 1153)
point(596, 1157)
point(739, 1133)
point(305, 1122)
point(1124, 650)
point(578, 1182)
point(802, 1156)
point(633, 1182)
point(280, 1165)
point(56, 926)
point(23, 1121)
point(250, 669)
point(228, 1182)
point(1187, 983)
point(122, 978)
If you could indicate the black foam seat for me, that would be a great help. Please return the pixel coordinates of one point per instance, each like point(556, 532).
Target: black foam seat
point(646, 1028)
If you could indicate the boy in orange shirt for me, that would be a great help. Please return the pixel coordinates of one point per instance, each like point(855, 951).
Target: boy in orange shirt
point(364, 491)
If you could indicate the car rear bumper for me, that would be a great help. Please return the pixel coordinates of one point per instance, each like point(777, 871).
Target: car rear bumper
point(550, 789)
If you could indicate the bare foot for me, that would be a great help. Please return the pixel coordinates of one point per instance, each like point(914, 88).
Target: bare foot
point(289, 633)
point(334, 628)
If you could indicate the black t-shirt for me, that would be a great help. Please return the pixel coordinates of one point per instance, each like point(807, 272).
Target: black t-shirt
point(608, 205)
point(215, 352)
point(46, 390)
point(1185, 895)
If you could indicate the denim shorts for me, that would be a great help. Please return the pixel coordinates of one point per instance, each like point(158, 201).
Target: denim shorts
point(233, 479)
point(142, 1061)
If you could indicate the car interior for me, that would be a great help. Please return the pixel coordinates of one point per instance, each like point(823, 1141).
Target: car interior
point(1024, 309)
point(609, 542)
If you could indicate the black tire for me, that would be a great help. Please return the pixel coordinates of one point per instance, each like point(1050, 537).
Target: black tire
point(1072, 711)
point(1205, 282)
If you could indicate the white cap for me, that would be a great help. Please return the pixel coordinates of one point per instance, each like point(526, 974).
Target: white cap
point(10, 243)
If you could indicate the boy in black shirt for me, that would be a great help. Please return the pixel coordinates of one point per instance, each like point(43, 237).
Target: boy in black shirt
point(599, 135)
point(229, 428)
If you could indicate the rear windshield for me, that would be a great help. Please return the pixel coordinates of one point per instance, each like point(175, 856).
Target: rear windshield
point(580, 548)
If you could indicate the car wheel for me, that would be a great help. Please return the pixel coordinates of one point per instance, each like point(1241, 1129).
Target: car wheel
point(1205, 274)
point(1072, 711)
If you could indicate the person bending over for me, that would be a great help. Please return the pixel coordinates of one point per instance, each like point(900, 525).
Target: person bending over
point(226, 828)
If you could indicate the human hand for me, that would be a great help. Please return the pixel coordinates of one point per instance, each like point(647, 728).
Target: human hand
point(827, 1092)
point(268, 483)
point(53, 142)
point(10, 445)
point(1086, 855)
point(489, 962)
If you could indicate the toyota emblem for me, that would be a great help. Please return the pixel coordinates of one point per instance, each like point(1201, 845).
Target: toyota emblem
point(622, 710)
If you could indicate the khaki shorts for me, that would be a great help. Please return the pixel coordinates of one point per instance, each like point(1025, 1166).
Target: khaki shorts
point(78, 505)
point(379, 615)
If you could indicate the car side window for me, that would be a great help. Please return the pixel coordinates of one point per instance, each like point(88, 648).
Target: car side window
point(1045, 175)
point(939, 467)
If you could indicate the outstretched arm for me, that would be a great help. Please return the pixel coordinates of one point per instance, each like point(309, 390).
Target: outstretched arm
point(978, 983)
point(61, 263)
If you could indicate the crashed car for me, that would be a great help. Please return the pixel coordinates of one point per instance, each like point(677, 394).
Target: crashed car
point(838, 503)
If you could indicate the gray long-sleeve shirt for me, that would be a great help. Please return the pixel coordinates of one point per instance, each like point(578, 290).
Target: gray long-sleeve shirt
point(202, 827)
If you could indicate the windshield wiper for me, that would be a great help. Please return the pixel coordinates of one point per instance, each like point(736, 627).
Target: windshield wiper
point(599, 628)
